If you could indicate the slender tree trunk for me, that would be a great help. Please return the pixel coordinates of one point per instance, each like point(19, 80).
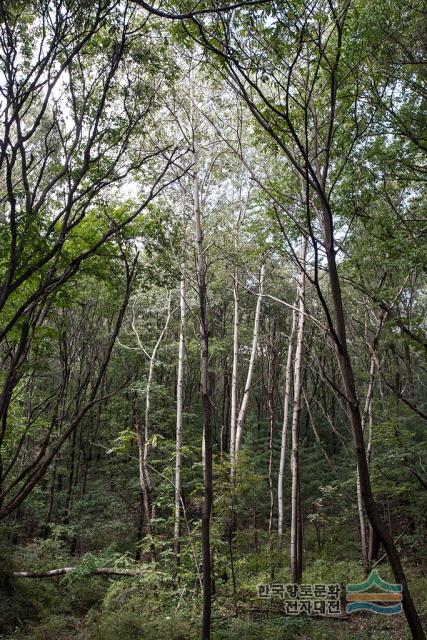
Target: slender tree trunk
point(67, 509)
point(179, 404)
point(206, 415)
point(347, 375)
point(373, 540)
point(360, 508)
point(147, 474)
point(232, 525)
point(270, 425)
point(55, 474)
point(314, 429)
point(204, 383)
point(295, 547)
point(51, 499)
point(224, 434)
point(234, 374)
point(143, 438)
point(139, 526)
point(300, 532)
point(245, 398)
point(145, 490)
point(287, 392)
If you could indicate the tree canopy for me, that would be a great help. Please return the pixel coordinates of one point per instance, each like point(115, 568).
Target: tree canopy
point(213, 308)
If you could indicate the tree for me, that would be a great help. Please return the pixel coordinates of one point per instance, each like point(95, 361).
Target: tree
point(285, 146)
point(179, 410)
point(296, 533)
point(74, 100)
point(245, 398)
point(283, 443)
point(305, 127)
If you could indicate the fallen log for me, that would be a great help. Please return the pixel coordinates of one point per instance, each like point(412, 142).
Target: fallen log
point(111, 571)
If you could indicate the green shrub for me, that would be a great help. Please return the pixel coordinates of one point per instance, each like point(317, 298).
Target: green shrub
point(125, 625)
point(85, 593)
point(130, 625)
point(15, 599)
point(324, 571)
point(55, 628)
point(276, 629)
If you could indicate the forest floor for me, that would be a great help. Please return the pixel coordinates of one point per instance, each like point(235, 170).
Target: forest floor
point(124, 626)
point(84, 606)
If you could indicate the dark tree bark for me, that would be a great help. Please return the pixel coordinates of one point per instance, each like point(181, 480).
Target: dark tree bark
point(378, 525)
point(308, 148)
point(31, 475)
point(207, 427)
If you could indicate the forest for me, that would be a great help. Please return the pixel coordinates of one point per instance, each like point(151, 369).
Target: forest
point(213, 327)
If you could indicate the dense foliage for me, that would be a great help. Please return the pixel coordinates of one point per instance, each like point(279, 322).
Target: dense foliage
point(212, 241)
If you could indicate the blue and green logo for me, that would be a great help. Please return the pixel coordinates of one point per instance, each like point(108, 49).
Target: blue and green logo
point(374, 595)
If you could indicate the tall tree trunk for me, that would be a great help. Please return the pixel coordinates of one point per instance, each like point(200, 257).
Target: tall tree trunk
point(144, 486)
point(206, 408)
point(295, 547)
point(201, 269)
point(245, 398)
point(300, 532)
point(234, 374)
point(360, 508)
point(179, 404)
point(283, 444)
point(270, 424)
point(347, 375)
point(143, 438)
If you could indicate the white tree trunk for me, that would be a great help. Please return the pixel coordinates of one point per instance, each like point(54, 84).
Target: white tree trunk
point(270, 424)
point(206, 409)
point(360, 509)
point(245, 398)
point(143, 441)
point(295, 515)
point(287, 392)
point(179, 403)
point(234, 375)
